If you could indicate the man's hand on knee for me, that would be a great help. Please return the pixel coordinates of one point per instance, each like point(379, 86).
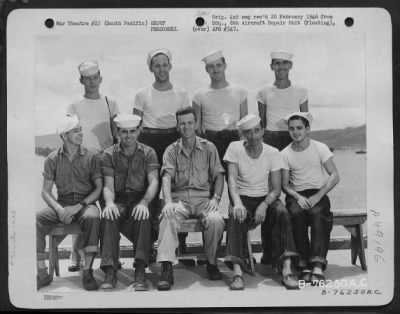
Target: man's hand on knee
point(168, 210)
point(304, 203)
point(212, 205)
point(260, 213)
point(239, 212)
point(110, 212)
point(140, 212)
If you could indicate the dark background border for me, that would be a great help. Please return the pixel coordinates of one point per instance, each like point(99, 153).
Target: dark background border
point(392, 6)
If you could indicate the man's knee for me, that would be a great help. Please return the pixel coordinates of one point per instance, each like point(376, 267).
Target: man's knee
point(92, 213)
point(216, 219)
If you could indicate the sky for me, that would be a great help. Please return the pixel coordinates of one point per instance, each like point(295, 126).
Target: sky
point(331, 67)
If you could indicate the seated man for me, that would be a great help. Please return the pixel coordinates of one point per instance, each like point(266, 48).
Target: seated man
point(305, 162)
point(191, 169)
point(76, 173)
point(130, 172)
point(254, 181)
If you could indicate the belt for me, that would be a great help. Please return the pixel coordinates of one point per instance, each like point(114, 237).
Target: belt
point(221, 133)
point(159, 131)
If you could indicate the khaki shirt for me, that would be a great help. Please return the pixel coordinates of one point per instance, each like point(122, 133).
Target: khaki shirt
point(73, 176)
point(129, 172)
point(192, 172)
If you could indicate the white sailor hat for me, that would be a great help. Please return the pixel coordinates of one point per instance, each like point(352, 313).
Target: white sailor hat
point(152, 53)
point(127, 120)
point(213, 56)
point(67, 123)
point(90, 67)
point(281, 54)
point(305, 115)
point(247, 122)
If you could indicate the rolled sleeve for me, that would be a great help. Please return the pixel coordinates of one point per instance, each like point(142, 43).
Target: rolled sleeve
point(107, 166)
point(96, 167)
point(49, 171)
point(169, 161)
point(152, 161)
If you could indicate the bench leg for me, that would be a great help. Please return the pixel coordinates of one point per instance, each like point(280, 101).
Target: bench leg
point(357, 245)
point(361, 247)
point(52, 255)
point(250, 253)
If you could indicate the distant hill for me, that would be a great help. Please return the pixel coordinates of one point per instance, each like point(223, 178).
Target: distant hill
point(44, 144)
point(348, 138)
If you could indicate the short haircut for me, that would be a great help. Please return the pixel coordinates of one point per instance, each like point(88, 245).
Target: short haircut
point(156, 55)
point(295, 117)
point(186, 110)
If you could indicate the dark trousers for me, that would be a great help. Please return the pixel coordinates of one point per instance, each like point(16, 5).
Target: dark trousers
point(159, 140)
point(279, 140)
point(319, 218)
point(277, 220)
point(221, 140)
point(137, 231)
point(88, 218)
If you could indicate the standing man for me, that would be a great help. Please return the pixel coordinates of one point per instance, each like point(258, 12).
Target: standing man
point(275, 102)
point(157, 104)
point(96, 113)
point(75, 170)
point(254, 180)
point(306, 163)
point(191, 170)
point(220, 105)
point(130, 172)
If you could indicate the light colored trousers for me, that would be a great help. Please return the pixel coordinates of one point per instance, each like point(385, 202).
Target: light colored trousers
point(190, 207)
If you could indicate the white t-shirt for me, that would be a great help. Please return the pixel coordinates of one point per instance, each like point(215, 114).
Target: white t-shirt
point(159, 107)
point(253, 174)
point(95, 120)
point(220, 108)
point(306, 168)
point(280, 103)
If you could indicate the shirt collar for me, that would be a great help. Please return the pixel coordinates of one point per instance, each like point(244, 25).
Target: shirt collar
point(139, 146)
point(197, 144)
point(82, 150)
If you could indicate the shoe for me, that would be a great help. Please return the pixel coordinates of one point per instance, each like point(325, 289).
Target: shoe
point(265, 259)
point(305, 275)
point(237, 283)
point(74, 268)
point(110, 279)
point(289, 282)
point(140, 279)
point(317, 279)
point(119, 265)
point(89, 283)
point(42, 281)
point(213, 272)
point(187, 262)
point(166, 277)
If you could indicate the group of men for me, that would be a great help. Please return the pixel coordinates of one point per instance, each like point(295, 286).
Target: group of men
point(169, 164)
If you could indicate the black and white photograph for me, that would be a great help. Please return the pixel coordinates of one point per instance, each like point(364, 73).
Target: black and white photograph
point(164, 158)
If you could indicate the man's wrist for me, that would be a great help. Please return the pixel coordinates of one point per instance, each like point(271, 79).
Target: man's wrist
point(144, 202)
point(83, 203)
point(217, 198)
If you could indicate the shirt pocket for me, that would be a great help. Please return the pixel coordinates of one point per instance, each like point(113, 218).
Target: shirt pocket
point(200, 174)
point(138, 179)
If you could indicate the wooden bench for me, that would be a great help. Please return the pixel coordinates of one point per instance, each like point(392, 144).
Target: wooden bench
point(352, 220)
point(58, 230)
